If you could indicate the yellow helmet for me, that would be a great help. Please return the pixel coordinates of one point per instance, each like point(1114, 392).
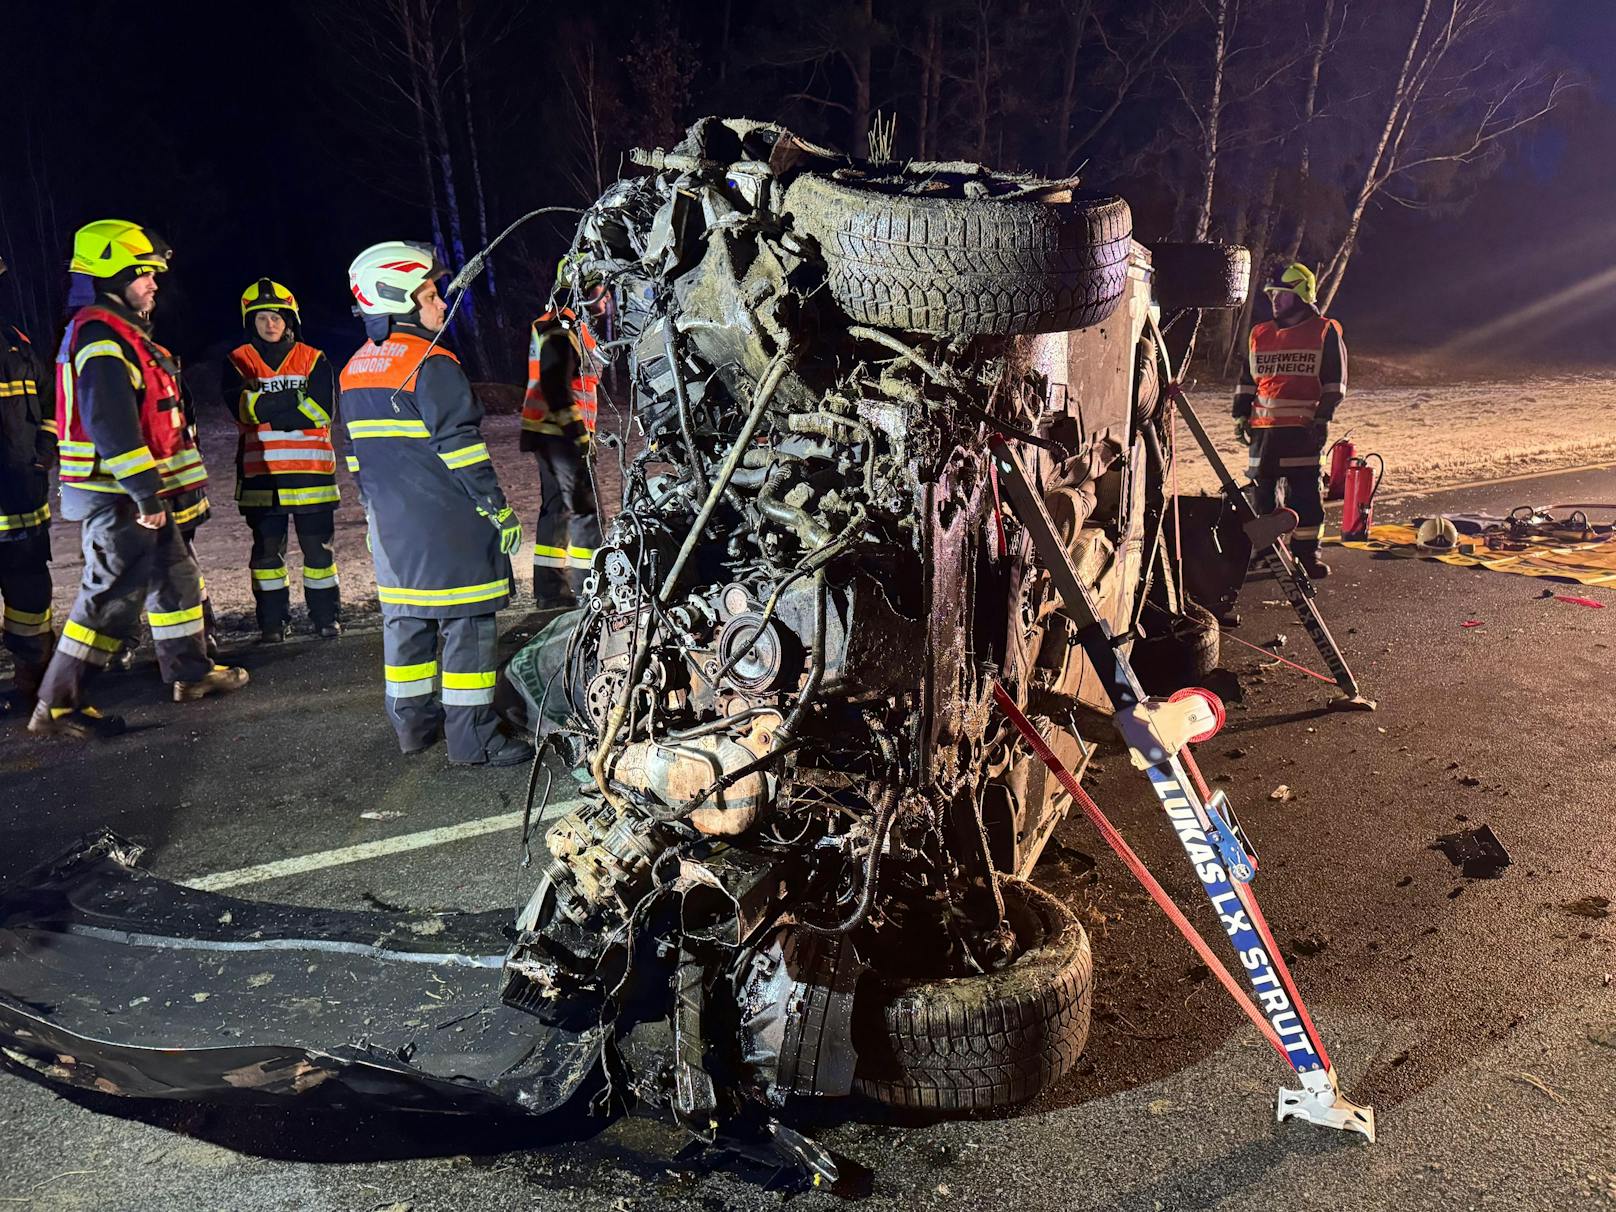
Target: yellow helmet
point(107, 247)
point(267, 295)
point(1296, 278)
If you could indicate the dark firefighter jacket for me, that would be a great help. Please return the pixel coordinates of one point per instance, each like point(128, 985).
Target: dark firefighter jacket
point(424, 474)
point(27, 437)
point(119, 414)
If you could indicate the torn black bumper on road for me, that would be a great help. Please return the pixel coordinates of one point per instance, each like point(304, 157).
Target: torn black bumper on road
point(117, 981)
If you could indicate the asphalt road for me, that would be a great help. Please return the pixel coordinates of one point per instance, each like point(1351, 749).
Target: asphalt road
point(1478, 1016)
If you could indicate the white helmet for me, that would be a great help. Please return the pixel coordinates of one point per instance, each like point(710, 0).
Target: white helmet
point(385, 276)
point(1437, 534)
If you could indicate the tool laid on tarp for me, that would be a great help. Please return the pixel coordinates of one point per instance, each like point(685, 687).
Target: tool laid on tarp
point(1267, 533)
point(1531, 540)
point(1158, 733)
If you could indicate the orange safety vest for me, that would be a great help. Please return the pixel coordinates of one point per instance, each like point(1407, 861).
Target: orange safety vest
point(585, 384)
point(1285, 365)
point(267, 451)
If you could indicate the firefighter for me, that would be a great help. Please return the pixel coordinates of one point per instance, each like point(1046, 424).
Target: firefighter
point(1293, 381)
point(558, 420)
point(125, 455)
point(440, 531)
point(191, 508)
point(27, 453)
point(282, 394)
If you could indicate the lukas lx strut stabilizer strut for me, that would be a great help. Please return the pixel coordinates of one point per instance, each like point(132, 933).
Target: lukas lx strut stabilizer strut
point(1158, 733)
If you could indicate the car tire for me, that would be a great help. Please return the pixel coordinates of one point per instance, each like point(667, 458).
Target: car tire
point(984, 1042)
point(1176, 651)
point(950, 265)
point(1201, 275)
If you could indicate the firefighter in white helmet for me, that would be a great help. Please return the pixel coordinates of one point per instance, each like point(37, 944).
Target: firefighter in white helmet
point(441, 532)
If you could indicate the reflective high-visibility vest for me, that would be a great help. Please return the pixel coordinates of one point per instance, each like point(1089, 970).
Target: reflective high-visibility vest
point(1285, 365)
point(162, 418)
point(554, 325)
point(265, 450)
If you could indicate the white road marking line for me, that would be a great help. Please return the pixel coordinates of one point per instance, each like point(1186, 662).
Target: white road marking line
point(367, 850)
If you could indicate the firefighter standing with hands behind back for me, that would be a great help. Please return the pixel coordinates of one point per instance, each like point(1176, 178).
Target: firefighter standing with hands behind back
point(558, 419)
point(1294, 379)
point(441, 533)
point(283, 393)
point(125, 453)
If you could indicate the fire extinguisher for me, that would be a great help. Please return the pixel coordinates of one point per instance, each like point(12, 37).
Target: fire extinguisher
point(1335, 484)
point(1358, 496)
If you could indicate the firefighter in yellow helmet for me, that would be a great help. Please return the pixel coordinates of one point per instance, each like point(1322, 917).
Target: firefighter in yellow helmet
point(1294, 379)
point(282, 394)
point(126, 453)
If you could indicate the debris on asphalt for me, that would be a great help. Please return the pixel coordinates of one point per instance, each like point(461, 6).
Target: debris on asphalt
point(1282, 792)
point(380, 814)
point(1589, 906)
point(1538, 1083)
point(1469, 780)
point(1477, 852)
point(1279, 641)
point(1405, 881)
point(1472, 623)
point(1575, 601)
point(1310, 944)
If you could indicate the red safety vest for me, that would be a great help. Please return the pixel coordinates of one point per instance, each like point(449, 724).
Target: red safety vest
point(162, 418)
point(585, 384)
point(1285, 366)
point(267, 451)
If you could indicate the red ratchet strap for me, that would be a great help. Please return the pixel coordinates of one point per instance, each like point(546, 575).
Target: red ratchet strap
point(1259, 923)
point(1142, 873)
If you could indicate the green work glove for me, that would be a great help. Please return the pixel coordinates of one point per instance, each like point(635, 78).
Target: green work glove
point(510, 530)
point(1242, 430)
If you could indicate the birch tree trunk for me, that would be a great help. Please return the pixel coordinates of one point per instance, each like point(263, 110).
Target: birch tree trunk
point(1337, 266)
point(412, 50)
point(478, 195)
point(1310, 108)
point(443, 152)
point(1214, 115)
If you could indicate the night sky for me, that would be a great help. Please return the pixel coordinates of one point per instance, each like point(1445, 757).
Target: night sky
point(226, 128)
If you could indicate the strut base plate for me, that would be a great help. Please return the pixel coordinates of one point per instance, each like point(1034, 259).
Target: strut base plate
point(1320, 1101)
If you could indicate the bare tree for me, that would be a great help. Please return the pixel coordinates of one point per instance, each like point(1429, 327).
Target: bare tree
point(1453, 102)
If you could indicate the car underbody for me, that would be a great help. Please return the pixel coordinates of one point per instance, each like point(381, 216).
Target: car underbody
point(798, 867)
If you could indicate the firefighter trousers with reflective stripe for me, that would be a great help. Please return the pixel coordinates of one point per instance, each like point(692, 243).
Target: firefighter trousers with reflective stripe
point(25, 604)
point(568, 529)
point(465, 710)
point(210, 623)
point(270, 582)
point(1301, 494)
point(126, 565)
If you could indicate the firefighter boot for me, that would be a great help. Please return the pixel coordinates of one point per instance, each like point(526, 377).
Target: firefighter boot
point(221, 679)
point(75, 723)
point(502, 751)
point(1307, 555)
